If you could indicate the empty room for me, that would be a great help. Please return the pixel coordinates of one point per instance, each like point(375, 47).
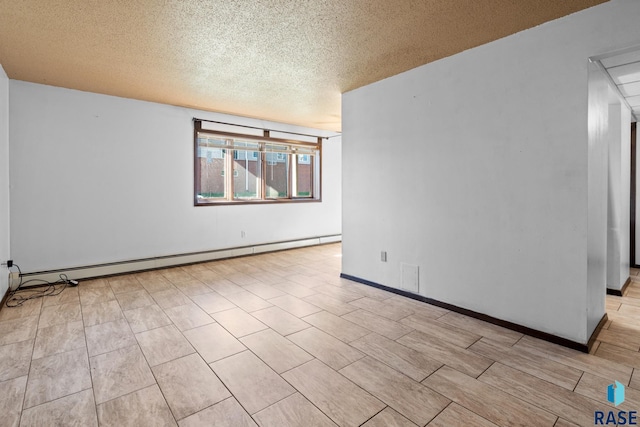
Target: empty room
point(287, 213)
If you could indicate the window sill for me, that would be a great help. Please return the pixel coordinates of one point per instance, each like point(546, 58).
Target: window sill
point(255, 202)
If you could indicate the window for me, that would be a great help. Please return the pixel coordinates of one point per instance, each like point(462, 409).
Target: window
point(278, 171)
point(303, 184)
point(212, 166)
point(237, 168)
point(246, 170)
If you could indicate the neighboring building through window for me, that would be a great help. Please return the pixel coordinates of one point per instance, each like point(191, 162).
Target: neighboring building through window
point(237, 168)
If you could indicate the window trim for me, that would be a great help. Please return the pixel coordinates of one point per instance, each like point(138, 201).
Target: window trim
point(262, 158)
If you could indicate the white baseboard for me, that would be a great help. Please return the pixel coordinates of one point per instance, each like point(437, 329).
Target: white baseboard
point(77, 273)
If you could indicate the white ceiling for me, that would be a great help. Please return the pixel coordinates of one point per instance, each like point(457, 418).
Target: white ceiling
point(624, 70)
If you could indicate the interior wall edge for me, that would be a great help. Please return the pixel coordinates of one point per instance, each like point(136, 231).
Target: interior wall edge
point(5, 227)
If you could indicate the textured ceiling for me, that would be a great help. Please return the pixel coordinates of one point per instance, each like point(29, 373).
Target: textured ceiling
point(287, 61)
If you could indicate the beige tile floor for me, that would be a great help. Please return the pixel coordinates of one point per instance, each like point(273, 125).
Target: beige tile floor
point(280, 340)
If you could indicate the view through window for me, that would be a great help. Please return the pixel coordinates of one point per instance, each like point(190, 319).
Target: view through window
point(234, 168)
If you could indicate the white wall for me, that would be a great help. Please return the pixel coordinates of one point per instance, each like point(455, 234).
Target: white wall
point(618, 234)
point(625, 208)
point(99, 179)
point(597, 194)
point(475, 168)
point(4, 180)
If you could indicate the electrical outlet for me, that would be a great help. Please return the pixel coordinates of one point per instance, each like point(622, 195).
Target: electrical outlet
point(383, 256)
point(9, 263)
point(242, 234)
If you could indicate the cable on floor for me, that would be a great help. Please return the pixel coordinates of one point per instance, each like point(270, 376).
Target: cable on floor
point(21, 295)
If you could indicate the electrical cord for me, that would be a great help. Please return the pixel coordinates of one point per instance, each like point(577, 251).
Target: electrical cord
point(20, 295)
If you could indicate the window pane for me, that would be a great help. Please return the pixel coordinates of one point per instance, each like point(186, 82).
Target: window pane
point(304, 175)
point(277, 175)
point(212, 172)
point(210, 140)
point(246, 171)
point(254, 170)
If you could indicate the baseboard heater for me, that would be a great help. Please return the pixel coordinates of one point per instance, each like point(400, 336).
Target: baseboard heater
point(110, 269)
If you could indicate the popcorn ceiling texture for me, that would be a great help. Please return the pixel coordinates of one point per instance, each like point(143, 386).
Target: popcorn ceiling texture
point(279, 60)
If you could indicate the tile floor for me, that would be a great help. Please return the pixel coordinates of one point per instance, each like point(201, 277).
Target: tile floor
point(280, 340)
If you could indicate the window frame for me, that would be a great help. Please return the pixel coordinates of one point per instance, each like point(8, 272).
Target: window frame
point(292, 145)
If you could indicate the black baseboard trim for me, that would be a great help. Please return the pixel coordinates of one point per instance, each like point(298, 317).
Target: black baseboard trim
point(596, 331)
point(620, 292)
point(489, 319)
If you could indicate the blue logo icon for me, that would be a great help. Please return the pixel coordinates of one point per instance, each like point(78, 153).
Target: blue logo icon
point(615, 393)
